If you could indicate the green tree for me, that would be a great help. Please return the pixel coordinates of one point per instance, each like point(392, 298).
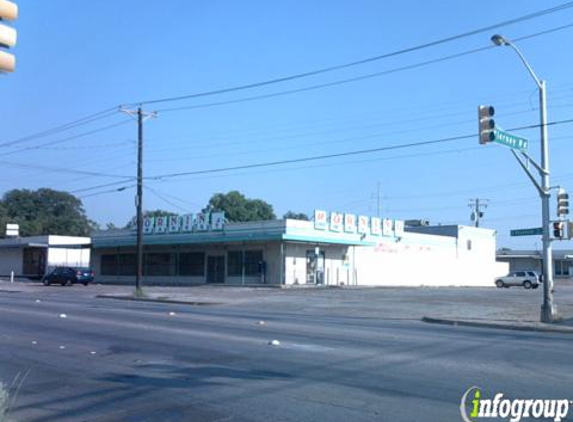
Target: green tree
point(147, 214)
point(45, 211)
point(238, 208)
point(296, 216)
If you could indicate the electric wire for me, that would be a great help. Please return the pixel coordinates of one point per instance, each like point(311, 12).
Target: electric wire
point(353, 79)
point(67, 126)
point(341, 154)
point(362, 61)
point(70, 138)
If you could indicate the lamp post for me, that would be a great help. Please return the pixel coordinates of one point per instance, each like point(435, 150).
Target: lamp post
point(548, 309)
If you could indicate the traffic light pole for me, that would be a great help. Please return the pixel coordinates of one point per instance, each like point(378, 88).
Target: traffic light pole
point(548, 308)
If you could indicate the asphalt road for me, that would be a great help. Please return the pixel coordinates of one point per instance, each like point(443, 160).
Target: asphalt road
point(87, 359)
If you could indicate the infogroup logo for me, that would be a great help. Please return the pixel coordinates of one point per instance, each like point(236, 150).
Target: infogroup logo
point(474, 407)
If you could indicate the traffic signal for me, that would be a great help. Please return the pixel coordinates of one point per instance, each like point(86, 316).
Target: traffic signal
point(562, 203)
point(570, 230)
point(486, 124)
point(8, 12)
point(558, 230)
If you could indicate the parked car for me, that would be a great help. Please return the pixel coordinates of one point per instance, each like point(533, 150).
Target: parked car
point(66, 276)
point(527, 279)
point(535, 274)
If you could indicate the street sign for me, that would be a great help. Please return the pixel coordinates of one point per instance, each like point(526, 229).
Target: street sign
point(509, 140)
point(526, 232)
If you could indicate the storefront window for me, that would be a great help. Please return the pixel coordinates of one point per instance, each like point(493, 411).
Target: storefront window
point(250, 260)
point(108, 265)
point(159, 264)
point(234, 263)
point(127, 264)
point(192, 263)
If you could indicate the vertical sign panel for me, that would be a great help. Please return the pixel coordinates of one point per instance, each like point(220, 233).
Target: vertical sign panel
point(350, 223)
point(320, 220)
point(376, 226)
point(202, 222)
point(148, 224)
point(217, 220)
point(161, 224)
point(363, 226)
point(174, 223)
point(188, 222)
point(399, 228)
point(387, 227)
point(336, 222)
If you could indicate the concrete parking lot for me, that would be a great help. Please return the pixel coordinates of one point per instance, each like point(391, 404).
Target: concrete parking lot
point(260, 354)
point(506, 306)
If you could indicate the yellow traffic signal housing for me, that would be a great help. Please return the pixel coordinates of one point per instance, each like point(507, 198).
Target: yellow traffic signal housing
point(486, 124)
point(8, 35)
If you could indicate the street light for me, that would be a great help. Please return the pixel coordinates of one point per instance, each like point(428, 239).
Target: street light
point(548, 309)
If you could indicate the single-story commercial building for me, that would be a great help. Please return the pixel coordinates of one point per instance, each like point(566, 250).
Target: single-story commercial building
point(340, 249)
point(533, 260)
point(33, 256)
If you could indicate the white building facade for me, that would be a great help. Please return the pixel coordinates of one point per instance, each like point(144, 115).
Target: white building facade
point(32, 257)
point(332, 250)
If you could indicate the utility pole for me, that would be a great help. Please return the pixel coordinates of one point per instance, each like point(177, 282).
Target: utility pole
point(476, 207)
point(141, 117)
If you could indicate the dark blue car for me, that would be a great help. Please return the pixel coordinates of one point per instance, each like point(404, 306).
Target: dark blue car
point(66, 276)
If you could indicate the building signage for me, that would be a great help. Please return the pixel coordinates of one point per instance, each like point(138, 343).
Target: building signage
point(336, 222)
point(349, 223)
point(184, 223)
point(148, 224)
point(376, 226)
point(398, 228)
point(12, 230)
point(387, 227)
point(363, 225)
point(174, 223)
point(320, 220)
point(160, 224)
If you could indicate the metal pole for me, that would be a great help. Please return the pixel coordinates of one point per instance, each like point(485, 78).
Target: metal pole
point(548, 309)
point(139, 203)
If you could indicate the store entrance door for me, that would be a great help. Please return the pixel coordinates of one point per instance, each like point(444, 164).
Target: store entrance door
point(215, 269)
point(315, 267)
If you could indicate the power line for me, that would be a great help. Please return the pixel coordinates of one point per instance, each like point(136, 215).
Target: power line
point(105, 185)
point(108, 191)
point(353, 79)
point(67, 126)
point(362, 61)
point(153, 191)
point(341, 154)
point(67, 170)
point(70, 138)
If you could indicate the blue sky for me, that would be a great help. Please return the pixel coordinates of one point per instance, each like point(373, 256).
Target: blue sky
point(79, 58)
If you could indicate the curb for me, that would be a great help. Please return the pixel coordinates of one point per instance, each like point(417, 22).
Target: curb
point(152, 300)
point(461, 323)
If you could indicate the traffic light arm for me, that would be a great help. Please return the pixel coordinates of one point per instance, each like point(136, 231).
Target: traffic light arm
point(540, 169)
point(541, 191)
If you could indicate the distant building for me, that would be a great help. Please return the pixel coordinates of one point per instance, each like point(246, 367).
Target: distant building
point(533, 260)
point(32, 257)
point(356, 252)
